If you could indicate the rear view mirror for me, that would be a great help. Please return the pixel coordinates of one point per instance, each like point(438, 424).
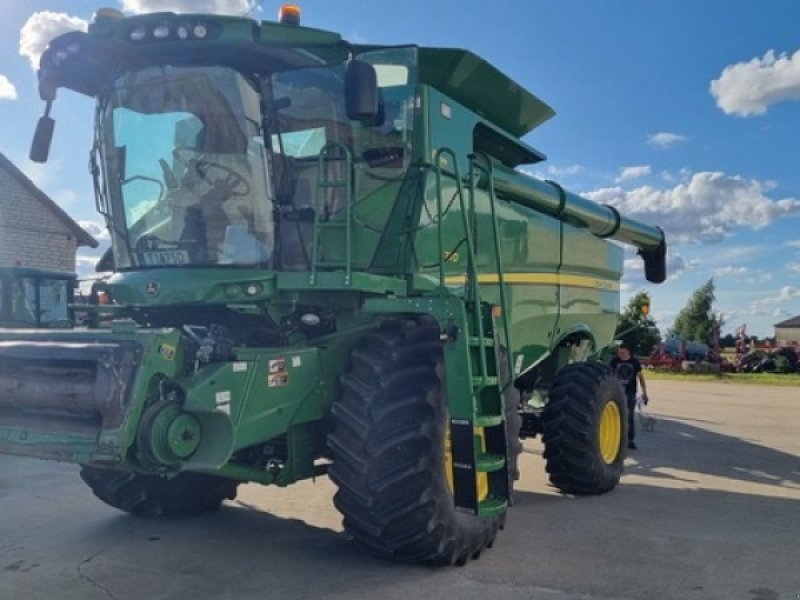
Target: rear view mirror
point(42, 138)
point(361, 91)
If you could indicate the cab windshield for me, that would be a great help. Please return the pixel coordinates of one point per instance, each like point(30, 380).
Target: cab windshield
point(185, 169)
point(191, 179)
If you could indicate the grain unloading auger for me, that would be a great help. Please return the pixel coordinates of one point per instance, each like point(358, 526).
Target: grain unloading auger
point(324, 261)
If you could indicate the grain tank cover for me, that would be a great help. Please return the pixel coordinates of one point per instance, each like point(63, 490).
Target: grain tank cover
point(480, 87)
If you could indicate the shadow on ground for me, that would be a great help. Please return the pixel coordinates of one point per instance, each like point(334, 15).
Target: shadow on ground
point(679, 445)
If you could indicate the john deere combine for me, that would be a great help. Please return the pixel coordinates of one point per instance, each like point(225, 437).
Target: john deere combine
point(325, 261)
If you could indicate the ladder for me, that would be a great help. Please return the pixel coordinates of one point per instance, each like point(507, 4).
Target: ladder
point(476, 402)
point(322, 220)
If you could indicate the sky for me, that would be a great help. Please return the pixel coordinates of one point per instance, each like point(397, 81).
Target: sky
point(680, 113)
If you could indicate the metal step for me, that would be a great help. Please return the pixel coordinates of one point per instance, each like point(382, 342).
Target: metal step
point(492, 507)
point(480, 382)
point(489, 463)
point(475, 342)
point(488, 420)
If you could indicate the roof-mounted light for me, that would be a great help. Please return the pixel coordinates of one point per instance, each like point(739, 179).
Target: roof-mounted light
point(289, 14)
point(161, 32)
point(138, 34)
point(171, 30)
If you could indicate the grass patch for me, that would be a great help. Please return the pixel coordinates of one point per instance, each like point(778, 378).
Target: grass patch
point(777, 379)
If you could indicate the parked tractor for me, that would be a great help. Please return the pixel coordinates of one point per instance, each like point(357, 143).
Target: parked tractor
point(326, 261)
point(33, 297)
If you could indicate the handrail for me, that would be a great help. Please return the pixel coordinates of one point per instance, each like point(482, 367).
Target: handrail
point(489, 172)
point(472, 291)
point(319, 200)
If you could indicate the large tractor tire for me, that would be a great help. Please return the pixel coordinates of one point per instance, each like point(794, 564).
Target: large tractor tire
point(585, 430)
point(389, 451)
point(187, 494)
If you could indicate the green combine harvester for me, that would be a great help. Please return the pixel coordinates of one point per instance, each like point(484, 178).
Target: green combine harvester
point(325, 260)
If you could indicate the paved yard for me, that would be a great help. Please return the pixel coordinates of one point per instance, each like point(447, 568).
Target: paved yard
point(709, 508)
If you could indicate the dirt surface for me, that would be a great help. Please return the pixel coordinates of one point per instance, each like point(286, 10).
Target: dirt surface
point(709, 508)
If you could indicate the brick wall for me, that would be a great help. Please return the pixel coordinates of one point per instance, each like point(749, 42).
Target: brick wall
point(30, 234)
point(786, 335)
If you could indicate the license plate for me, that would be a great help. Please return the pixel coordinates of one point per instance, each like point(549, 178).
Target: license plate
point(165, 257)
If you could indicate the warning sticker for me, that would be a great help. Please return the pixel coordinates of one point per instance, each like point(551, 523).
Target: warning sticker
point(223, 401)
point(239, 367)
point(297, 361)
point(280, 379)
point(276, 365)
point(167, 351)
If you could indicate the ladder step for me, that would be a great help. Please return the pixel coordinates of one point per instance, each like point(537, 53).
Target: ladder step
point(488, 420)
point(489, 463)
point(330, 263)
point(331, 224)
point(479, 382)
point(475, 341)
point(333, 184)
point(492, 507)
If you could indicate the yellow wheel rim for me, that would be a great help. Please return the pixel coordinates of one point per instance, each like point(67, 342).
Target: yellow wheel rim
point(482, 480)
point(610, 432)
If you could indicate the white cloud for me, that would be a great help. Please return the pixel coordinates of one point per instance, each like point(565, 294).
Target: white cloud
point(628, 173)
point(97, 230)
point(65, 198)
point(793, 244)
point(40, 28)
point(731, 271)
point(85, 262)
point(703, 209)
point(664, 139)
point(7, 89)
point(228, 7)
point(749, 88)
point(794, 267)
point(561, 171)
point(786, 294)
point(759, 278)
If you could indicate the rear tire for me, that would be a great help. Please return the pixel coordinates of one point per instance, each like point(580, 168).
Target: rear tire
point(388, 446)
point(187, 494)
point(581, 456)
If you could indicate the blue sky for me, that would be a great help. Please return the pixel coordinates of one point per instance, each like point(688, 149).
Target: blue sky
point(684, 114)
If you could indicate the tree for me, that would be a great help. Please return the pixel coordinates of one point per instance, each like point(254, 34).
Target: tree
point(636, 328)
point(696, 321)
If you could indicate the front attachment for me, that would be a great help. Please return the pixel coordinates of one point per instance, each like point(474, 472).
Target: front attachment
point(56, 397)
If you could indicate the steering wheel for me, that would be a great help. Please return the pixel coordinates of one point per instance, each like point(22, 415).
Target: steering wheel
point(233, 183)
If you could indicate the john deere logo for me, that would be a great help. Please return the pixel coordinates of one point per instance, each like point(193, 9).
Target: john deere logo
point(151, 289)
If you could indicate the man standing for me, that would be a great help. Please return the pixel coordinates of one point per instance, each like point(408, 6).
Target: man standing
point(628, 370)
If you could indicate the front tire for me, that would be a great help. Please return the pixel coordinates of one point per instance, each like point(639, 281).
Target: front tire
point(185, 495)
point(389, 452)
point(585, 430)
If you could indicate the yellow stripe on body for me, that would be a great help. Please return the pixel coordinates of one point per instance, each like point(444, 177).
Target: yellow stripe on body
point(561, 279)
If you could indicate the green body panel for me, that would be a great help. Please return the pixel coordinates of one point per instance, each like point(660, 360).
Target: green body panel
point(418, 211)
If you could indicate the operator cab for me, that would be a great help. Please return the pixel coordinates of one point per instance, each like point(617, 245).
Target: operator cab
point(185, 168)
point(218, 139)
